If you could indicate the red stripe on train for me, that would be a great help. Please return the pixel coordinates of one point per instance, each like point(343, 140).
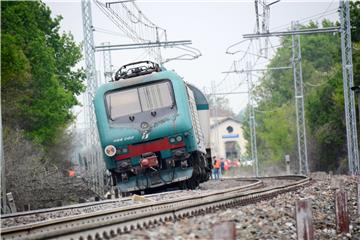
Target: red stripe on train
point(155, 146)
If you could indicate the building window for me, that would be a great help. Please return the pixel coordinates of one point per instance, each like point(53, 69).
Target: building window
point(230, 129)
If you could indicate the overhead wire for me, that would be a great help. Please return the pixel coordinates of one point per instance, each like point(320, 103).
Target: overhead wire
point(306, 19)
point(107, 31)
point(140, 29)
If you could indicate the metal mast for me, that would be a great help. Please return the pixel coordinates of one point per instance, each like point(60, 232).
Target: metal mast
point(96, 165)
point(91, 82)
point(347, 66)
point(252, 119)
point(299, 101)
point(107, 62)
point(265, 25)
point(216, 122)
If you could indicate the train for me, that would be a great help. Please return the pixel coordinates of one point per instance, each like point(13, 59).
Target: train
point(153, 128)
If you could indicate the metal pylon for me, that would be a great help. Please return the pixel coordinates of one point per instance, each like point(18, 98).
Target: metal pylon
point(265, 25)
point(92, 153)
point(91, 81)
point(265, 16)
point(252, 119)
point(348, 82)
point(107, 62)
point(299, 101)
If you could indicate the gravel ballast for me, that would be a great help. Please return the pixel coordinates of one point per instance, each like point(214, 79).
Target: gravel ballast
point(72, 210)
point(272, 219)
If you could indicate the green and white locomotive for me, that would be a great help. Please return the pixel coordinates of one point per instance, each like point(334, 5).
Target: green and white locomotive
point(153, 128)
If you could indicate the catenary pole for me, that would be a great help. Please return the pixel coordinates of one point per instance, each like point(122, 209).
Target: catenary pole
point(107, 62)
point(348, 82)
point(91, 136)
point(252, 123)
point(299, 101)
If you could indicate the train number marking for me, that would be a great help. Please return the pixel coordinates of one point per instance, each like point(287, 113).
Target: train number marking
point(124, 139)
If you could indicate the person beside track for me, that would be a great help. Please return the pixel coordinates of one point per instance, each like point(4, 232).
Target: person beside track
point(217, 166)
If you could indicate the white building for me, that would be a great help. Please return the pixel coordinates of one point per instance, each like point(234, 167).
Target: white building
point(227, 138)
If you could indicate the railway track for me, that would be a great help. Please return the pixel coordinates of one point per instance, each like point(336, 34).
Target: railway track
point(109, 223)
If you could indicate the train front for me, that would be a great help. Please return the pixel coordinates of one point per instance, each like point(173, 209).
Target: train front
point(145, 129)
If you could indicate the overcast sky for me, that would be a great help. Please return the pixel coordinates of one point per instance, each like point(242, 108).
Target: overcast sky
point(212, 26)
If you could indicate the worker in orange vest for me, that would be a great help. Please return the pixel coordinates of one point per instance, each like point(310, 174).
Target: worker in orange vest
point(217, 165)
point(71, 173)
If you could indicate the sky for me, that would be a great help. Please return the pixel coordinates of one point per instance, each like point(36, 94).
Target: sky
point(212, 26)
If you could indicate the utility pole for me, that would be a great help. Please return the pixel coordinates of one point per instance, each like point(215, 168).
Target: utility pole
point(299, 101)
point(265, 19)
point(265, 25)
point(92, 140)
point(356, 90)
point(252, 123)
point(257, 15)
point(158, 50)
point(91, 82)
point(217, 134)
point(348, 81)
point(107, 62)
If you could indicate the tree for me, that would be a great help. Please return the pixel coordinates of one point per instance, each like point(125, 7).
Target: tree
point(39, 87)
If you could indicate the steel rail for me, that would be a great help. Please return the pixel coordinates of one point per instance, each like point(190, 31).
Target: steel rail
point(111, 222)
point(78, 206)
point(56, 209)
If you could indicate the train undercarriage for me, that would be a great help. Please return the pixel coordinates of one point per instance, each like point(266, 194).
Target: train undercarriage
point(155, 174)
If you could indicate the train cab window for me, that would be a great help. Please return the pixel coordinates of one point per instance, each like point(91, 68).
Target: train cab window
point(123, 103)
point(155, 96)
point(146, 98)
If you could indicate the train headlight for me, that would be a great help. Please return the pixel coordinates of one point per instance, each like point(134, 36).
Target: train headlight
point(172, 140)
point(179, 138)
point(110, 150)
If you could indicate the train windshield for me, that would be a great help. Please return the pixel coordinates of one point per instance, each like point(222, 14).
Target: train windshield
point(141, 99)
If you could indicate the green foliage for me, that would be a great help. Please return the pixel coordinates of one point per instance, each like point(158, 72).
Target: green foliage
point(277, 131)
point(325, 115)
point(39, 85)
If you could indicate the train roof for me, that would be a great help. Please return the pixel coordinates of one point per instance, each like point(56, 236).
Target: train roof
point(123, 83)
